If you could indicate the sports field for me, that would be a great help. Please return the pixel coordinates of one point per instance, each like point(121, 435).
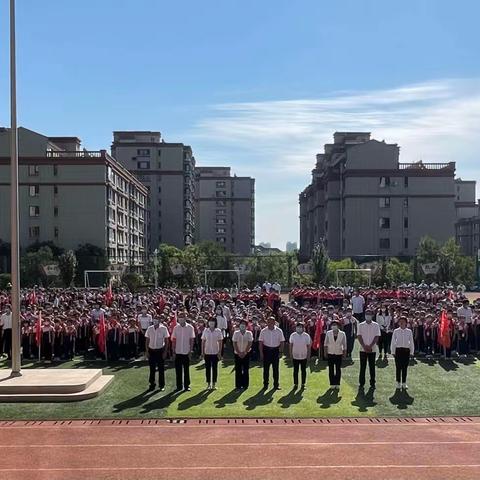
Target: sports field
point(436, 388)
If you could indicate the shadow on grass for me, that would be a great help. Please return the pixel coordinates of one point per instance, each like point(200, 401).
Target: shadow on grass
point(230, 397)
point(447, 364)
point(195, 400)
point(133, 402)
point(329, 398)
point(401, 399)
point(161, 403)
point(292, 397)
point(262, 397)
point(318, 365)
point(363, 400)
point(381, 363)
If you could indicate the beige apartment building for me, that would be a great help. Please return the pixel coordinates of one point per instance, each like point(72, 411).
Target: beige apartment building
point(168, 172)
point(363, 201)
point(225, 209)
point(71, 196)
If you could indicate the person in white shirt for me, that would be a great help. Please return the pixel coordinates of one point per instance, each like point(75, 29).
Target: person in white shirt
point(300, 350)
point(156, 343)
point(383, 319)
point(212, 341)
point(222, 324)
point(335, 347)
point(6, 324)
point(466, 313)
point(271, 342)
point(183, 336)
point(358, 305)
point(368, 334)
point(242, 345)
point(144, 321)
point(402, 347)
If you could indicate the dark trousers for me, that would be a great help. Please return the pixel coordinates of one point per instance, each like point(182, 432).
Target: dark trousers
point(348, 329)
point(7, 342)
point(302, 365)
point(242, 366)
point(402, 359)
point(155, 360)
point(211, 368)
point(383, 343)
point(364, 357)
point(271, 356)
point(334, 369)
point(182, 371)
point(359, 316)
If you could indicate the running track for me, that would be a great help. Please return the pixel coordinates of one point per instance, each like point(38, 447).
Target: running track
point(267, 449)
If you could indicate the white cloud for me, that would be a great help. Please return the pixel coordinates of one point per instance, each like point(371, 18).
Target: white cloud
point(276, 141)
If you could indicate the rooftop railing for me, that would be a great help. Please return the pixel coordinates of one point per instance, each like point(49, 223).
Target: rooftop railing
point(427, 166)
point(77, 154)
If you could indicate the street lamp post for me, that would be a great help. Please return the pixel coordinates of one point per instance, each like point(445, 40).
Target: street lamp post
point(15, 255)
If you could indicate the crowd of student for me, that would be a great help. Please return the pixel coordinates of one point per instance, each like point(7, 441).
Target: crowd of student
point(166, 323)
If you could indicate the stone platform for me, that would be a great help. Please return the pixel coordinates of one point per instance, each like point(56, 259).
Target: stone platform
point(52, 385)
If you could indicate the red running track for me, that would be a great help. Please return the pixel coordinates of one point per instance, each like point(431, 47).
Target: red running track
point(229, 450)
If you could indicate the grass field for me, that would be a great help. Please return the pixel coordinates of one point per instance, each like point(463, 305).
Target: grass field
point(439, 388)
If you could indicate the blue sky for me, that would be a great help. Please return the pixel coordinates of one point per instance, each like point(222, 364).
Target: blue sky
point(258, 85)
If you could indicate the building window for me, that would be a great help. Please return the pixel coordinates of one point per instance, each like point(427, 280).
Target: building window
point(55, 189)
point(34, 190)
point(326, 225)
point(405, 182)
point(405, 222)
point(221, 212)
point(221, 240)
point(143, 152)
point(384, 222)
point(34, 210)
point(221, 230)
point(55, 232)
point(220, 184)
point(384, 182)
point(33, 170)
point(343, 224)
point(405, 202)
point(159, 153)
point(221, 193)
point(384, 202)
point(159, 165)
point(34, 232)
point(55, 211)
point(221, 203)
point(343, 244)
point(221, 221)
point(405, 243)
point(384, 243)
point(143, 165)
point(55, 170)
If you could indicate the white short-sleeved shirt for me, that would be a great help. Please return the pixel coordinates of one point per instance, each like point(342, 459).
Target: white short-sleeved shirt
point(300, 343)
point(145, 321)
point(357, 303)
point(242, 339)
point(368, 331)
point(465, 313)
point(182, 336)
point(6, 321)
point(156, 336)
point(271, 338)
point(211, 341)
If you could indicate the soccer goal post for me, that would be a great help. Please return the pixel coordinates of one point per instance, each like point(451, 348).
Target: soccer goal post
point(114, 274)
point(352, 274)
point(236, 272)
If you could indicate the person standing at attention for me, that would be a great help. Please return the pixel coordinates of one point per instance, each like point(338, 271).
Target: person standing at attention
point(271, 341)
point(212, 342)
point(402, 347)
point(335, 349)
point(300, 350)
point(156, 346)
point(183, 336)
point(242, 345)
point(368, 335)
point(358, 305)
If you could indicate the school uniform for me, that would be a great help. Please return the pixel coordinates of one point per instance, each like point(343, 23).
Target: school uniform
point(211, 352)
point(271, 340)
point(402, 346)
point(182, 336)
point(336, 344)
point(300, 343)
point(241, 341)
point(156, 346)
point(368, 331)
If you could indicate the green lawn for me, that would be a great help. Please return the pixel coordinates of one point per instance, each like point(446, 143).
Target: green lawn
point(445, 388)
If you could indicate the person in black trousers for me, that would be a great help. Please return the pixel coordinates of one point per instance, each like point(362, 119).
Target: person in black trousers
point(335, 346)
point(183, 336)
point(271, 342)
point(368, 335)
point(156, 338)
point(402, 347)
point(242, 340)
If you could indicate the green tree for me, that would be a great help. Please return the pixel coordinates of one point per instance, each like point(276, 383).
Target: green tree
point(67, 262)
point(398, 272)
point(447, 260)
point(428, 250)
point(89, 257)
point(465, 270)
point(133, 281)
point(5, 279)
point(350, 278)
point(30, 266)
point(320, 261)
point(168, 255)
point(35, 247)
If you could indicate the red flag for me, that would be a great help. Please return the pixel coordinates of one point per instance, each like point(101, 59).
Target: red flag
point(318, 333)
point(161, 303)
point(109, 295)
point(444, 330)
point(102, 334)
point(38, 329)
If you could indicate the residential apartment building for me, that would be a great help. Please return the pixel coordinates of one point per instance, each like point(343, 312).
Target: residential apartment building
point(168, 172)
point(467, 234)
point(363, 201)
point(71, 196)
point(225, 209)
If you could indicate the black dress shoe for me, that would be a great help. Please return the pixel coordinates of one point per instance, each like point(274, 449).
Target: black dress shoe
point(151, 387)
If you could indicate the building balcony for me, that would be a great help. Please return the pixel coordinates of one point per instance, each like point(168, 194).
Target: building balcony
point(427, 166)
point(78, 154)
